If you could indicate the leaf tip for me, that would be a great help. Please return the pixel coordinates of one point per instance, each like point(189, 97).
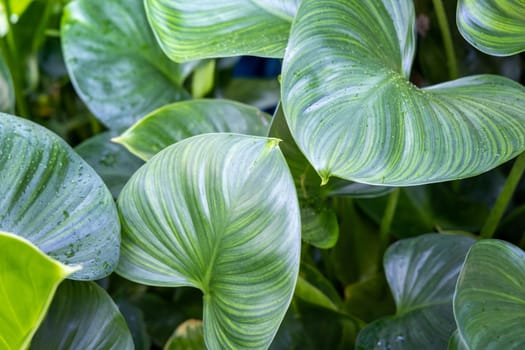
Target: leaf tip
point(274, 142)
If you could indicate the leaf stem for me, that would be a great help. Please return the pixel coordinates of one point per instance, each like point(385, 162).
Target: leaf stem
point(447, 39)
point(10, 52)
point(488, 230)
point(388, 216)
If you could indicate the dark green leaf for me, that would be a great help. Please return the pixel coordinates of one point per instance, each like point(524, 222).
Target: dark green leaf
point(114, 61)
point(422, 274)
point(112, 162)
point(227, 198)
point(82, 316)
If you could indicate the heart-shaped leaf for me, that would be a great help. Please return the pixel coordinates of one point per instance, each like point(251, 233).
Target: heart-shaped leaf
point(489, 304)
point(355, 115)
point(187, 30)
point(115, 63)
point(53, 198)
point(495, 27)
point(7, 92)
point(181, 120)
point(422, 274)
point(82, 316)
point(28, 280)
point(112, 162)
point(224, 219)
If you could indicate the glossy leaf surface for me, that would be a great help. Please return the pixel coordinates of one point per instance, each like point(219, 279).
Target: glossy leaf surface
point(181, 120)
point(354, 114)
point(82, 316)
point(28, 281)
point(422, 274)
point(227, 199)
point(489, 304)
point(7, 92)
point(53, 198)
point(111, 161)
point(188, 30)
point(495, 27)
point(115, 63)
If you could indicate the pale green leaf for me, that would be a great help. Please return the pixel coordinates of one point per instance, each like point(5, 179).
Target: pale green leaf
point(111, 161)
point(496, 27)
point(28, 281)
point(189, 30)
point(203, 79)
point(53, 198)
point(7, 92)
point(489, 304)
point(181, 120)
point(115, 63)
point(355, 115)
point(188, 336)
point(18, 6)
point(224, 219)
point(422, 274)
point(82, 316)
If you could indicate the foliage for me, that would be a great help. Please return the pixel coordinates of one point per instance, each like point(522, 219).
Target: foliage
point(349, 199)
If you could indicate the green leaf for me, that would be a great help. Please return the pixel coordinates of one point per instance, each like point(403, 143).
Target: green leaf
point(181, 120)
point(227, 198)
point(209, 29)
point(319, 225)
point(260, 93)
point(28, 281)
point(112, 162)
point(422, 274)
point(114, 62)
point(203, 79)
point(82, 316)
point(354, 114)
point(489, 304)
point(18, 6)
point(314, 288)
point(188, 336)
point(456, 343)
point(493, 26)
point(53, 198)
point(7, 92)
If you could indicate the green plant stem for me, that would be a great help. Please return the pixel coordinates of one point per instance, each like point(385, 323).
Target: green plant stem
point(504, 198)
point(447, 39)
point(10, 52)
point(388, 216)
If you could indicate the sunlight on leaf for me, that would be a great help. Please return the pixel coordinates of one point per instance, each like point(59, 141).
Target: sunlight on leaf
point(28, 281)
point(224, 219)
point(355, 115)
point(422, 274)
